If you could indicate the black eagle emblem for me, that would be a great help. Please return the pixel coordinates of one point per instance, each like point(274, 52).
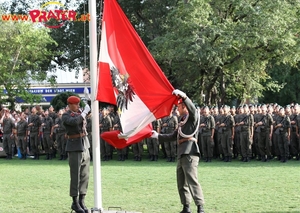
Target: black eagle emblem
point(125, 90)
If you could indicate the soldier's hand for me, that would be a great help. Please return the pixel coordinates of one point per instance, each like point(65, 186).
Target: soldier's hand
point(154, 134)
point(87, 109)
point(178, 92)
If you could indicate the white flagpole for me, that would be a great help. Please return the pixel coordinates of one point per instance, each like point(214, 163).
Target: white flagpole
point(94, 105)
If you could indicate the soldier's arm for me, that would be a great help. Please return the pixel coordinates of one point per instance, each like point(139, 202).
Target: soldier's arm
point(71, 120)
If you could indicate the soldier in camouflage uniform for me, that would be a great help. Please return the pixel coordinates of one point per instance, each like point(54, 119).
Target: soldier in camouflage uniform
point(61, 138)
point(47, 124)
point(207, 129)
point(8, 125)
point(264, 129)
point(152, 143)
point(22, 135)
point(246, 134)
point(105, 126)
point(88, 119)
point(34, 123)
point(283, 130)
point(226, 128)
point(169, 124)
point(294, 144)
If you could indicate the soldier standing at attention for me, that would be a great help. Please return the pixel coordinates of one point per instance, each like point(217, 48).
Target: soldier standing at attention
point(264, 129)
point(152, 143)
point(8, 125)
point(283, 132)
point(22, 135)
point(188, 153)
point(105, 126)
point(294, 145)
point(78, 151)
point(60, 132)
point(171, 123)
point(207, 129)
point(227, 128)
point(246, 134)
point(47, 124)
point(34, 123)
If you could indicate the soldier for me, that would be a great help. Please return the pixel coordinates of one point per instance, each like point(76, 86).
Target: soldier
point(169, 124)
point(188, 153)
point(89, 132)
point(207, 129)
point(220, 133)
point(78, 151)
point(216, 116)
point(138, 149)
point(53, 115)
point(255, 111)
point(47, 124)
point(294, 145)
point(246, 134)
point(275, 147)
point(264, 129)
point(105, 125)
point(8, 125)
point(60, 132)
point(237, 130)
point(152, 143)
point(117, 126)
point(34, 123)
point(226, 127)
point(22, 133)
point(282, 129)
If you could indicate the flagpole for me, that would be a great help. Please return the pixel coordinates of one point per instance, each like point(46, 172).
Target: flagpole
point(95, 108)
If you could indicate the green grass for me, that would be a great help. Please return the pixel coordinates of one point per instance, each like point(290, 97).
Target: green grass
point(150, 187)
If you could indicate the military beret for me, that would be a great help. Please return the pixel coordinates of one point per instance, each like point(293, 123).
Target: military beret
point(180, 101)
point(73, 100)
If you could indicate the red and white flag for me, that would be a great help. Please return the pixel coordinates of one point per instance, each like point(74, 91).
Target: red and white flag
point(129, 77)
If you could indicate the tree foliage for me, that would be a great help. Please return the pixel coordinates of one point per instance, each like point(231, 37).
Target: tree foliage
point(24, 58)
point(60, 100)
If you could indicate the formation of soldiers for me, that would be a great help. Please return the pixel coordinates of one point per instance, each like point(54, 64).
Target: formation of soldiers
point(34, 132)
point(262, 132)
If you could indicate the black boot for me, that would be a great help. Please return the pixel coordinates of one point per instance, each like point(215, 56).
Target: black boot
point(120, 158)
point(123, 157)
point(186, 209)
point(151, 158)
point(61, 157)
point(47, 156)
point(229, 158)
point(155, 157)
point(200, 209)
point(76, 207)
point(50, 156)
point(81, 203)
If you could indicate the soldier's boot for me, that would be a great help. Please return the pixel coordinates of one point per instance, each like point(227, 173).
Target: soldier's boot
point(226, 159)
point(208, 160)
point(50, 156)
point(81, 203)
point(151, 158)
point(173, 159)
point(200, 209)
point(155, 157)
point(9, 157)
point(139, 158)
point(47, 156)
point(120, 158)
point(37, 156)
point(76, 207)
point(65, 157)
point(24, 156)
point(229, 158)
point(245, 159)
point(186, 209)
point(61, 157)
point(123, 157)
point(168, 159)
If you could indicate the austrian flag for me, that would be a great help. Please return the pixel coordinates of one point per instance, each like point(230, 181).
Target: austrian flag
point(129, 77)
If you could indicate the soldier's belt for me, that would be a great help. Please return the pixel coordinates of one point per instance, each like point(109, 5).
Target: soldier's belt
point(186, 139)
point(76, 136)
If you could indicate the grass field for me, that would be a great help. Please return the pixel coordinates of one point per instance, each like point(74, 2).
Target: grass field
point(150, 187)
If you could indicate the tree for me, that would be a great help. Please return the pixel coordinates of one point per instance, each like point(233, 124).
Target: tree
point(225, 46)
point(24, 58)
point(60, 100)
